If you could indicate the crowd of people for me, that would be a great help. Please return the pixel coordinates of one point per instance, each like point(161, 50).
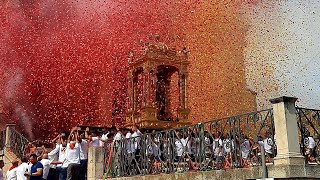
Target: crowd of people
point(131, 150)
point(186, 149)
point(66, 160)
point(183, 147)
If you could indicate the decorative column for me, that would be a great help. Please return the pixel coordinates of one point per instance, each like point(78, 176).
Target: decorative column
point(134, 96)
point(182, 91)
point(130, 99)
point(8, 134)
point(286, 132)
point(149, 72)
point(144, 88)
point(95, 163)
point(153, 86)
point(183, 111)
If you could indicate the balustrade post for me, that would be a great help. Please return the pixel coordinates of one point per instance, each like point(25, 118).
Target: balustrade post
point(9, 128)
point(95, 163)
point(286, 132)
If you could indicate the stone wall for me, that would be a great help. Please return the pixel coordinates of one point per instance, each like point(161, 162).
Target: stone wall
point(301, 172)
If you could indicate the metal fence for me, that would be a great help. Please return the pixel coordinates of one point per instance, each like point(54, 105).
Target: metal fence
point(309, 125)
point(232, 142)
point(17, 143)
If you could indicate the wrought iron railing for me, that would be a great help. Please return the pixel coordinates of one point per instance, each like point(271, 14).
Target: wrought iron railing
point(231, 142)
point(309, 125)
point(17, 143)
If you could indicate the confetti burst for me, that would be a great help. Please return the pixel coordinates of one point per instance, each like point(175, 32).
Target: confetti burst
point(65, 63)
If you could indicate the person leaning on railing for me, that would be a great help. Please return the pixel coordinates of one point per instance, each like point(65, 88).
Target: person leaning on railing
point(218, 151)
point(245, 151)
point(310, 148)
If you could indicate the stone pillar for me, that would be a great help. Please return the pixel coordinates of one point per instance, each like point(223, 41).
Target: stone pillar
point(144, 88)
point(8, 134)
point(95, 163)
point(286, 132)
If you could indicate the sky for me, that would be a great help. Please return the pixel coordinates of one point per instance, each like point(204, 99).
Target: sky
point(283, 55)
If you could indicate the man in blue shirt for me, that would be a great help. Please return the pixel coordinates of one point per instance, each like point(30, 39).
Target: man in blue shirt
point(36, 168)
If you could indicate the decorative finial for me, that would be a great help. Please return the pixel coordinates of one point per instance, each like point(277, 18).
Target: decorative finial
point(185, 51)
point(150, 36)
point(130, 57)
point(146, 47)
point(157, 37)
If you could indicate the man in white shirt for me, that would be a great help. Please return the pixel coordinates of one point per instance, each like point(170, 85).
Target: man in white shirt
point(129, 143)
point(136, 137)
point(53, 156)
point(218, 148)
point(310, 146)
point(104, 136)
point(72, 162)
point(83, 157)
point(118, 136)
point(46, 166)
point(1, 171)
point(181, 144)
point(245, 148)
point(93, 138)
point(22, 169)
point(12, 172)
point(61, 171)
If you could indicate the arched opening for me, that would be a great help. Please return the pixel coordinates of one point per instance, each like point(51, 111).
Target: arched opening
point(167, 93)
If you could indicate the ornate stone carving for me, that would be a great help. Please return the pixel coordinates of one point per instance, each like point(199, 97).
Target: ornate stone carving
point(156, 65)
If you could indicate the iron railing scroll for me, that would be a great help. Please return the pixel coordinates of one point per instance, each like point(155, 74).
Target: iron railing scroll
point(232, 142)
point(309, 126)
point(17, 143)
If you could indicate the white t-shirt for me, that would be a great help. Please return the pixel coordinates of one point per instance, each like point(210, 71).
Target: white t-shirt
point(207, 145)
point(180, 145)
point(245, 149)
point(46, 167)
point(189, 146)
point(227, 145)
point(12, 174)
point(216, 144)
point(129, 144)
point(104, 137)
point(268, 145)
point(21, 169)
point(155, 149)
point(62, 155)
point(53, 155)
point(95, 142)
point(1, 174)
point(84, 150)
point(136, 139)
point(72, 155)
point(117, 137)
point(310, 143)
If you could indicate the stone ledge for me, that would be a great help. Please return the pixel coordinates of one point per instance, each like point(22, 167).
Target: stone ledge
point(283, 99)
point(277, 172)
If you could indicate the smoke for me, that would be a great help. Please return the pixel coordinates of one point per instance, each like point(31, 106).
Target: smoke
point(22, 115)
point(13, 98)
